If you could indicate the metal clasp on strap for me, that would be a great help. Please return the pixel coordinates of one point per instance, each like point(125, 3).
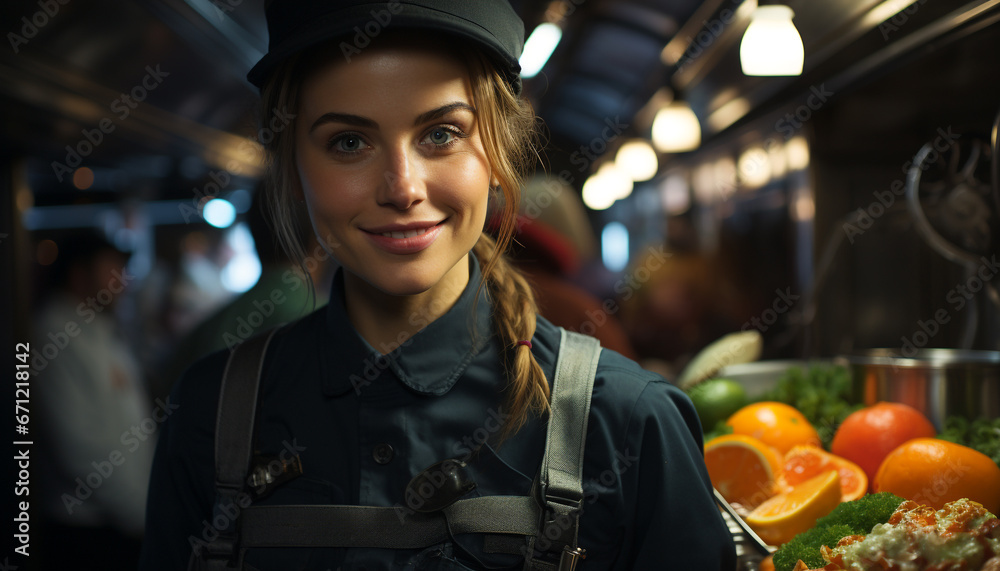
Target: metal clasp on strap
point(571, 557)
point(561, 521)
point(270, 471)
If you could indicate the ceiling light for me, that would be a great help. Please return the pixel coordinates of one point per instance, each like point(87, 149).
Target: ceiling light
point(538, 48)
point(617, 180)
point(771, 44)
point(797, 152)
point(637, 159)
point(676, 128)
point(598, 194)
point(754, 167)
point(219, 213)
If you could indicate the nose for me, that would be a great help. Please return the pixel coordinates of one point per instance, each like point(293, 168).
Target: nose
point(402, 184)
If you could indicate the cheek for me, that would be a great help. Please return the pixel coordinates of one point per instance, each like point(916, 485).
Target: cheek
point(466, 183)
point(329, 191)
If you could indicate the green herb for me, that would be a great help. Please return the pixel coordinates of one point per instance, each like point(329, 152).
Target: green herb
point(821, 393)
point(857, 517)
point(805, 546)
point(981, 434)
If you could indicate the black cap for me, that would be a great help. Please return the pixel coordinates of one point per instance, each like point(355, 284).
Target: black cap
point(294, 25)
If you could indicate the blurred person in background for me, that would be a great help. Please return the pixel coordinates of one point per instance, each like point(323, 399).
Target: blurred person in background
point(676, 305)
point(197, 290)
point(97, 426)
point(552, 242)
point(281, 295)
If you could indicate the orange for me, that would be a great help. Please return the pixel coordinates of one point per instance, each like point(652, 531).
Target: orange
point(805, 462)
point(742, 468)
point(774, 423)
point(934, 472)
point(868, 435)
point(786, 515)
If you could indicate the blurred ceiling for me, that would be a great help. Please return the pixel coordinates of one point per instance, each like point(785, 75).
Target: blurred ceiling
point(74, 70)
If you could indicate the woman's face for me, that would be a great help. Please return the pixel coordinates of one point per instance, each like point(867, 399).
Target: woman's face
point(392, 166)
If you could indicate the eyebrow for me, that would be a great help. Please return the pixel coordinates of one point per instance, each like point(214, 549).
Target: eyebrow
point(359, 121)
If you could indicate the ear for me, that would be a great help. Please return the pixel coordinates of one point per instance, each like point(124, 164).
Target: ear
point(494, 182)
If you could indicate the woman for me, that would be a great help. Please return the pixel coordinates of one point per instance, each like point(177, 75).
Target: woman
point(407, 124)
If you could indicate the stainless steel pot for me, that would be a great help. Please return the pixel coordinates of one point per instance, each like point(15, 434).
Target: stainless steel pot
point(937, 382)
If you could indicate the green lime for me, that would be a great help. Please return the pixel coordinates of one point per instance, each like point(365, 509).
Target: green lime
point(716, 400)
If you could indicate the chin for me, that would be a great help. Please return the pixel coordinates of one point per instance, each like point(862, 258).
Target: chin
point(403, 284)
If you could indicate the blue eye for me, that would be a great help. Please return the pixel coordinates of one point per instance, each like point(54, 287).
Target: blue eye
point(347, 143)
point(444, 136)
point(440, 136)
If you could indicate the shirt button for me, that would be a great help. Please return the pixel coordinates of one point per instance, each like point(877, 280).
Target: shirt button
point(382, 453)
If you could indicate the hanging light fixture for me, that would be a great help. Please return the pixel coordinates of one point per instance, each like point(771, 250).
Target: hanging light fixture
point(637, 158)
point(676, 128)
point(771, 44)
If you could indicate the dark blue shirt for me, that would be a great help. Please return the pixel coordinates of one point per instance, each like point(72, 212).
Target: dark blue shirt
point(365, 423)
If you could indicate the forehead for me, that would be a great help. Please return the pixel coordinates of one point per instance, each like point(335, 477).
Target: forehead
point(392, 72)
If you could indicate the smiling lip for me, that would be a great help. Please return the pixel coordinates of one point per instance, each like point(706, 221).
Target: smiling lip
point(404, 238)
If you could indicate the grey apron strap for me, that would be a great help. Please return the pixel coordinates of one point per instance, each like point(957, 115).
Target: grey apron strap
point(363, 526)
point(234, 437)
point(385, 527)
point(562, 465)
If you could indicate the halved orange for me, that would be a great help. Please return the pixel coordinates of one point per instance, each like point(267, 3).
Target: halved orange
point(788, 514)
point(804, 462)
point(742, 468)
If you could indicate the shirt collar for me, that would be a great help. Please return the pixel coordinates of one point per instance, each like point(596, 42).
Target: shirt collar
point(428, 363)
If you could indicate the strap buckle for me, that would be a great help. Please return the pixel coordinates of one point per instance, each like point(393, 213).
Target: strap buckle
point(270, 471)
point(571, 557)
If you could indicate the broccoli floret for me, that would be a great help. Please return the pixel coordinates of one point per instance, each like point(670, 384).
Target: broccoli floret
point(857, 517)
point(806, 545)
point(863, 514)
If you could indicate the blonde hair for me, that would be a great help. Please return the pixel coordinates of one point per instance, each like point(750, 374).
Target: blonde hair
point(507, 126)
